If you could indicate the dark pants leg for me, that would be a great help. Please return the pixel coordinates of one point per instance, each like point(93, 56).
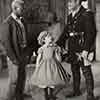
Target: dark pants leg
point(20, 83)
point(4, 61)
point(76, 77)
point(87, 72)
point(12, 79)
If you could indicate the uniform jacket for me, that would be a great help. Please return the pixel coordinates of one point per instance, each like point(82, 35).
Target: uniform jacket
point(82, 23)
point(10, 36)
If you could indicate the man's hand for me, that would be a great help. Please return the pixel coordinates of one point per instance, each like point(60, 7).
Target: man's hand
point(85, 54)
point(85, 57)
point(64, 51)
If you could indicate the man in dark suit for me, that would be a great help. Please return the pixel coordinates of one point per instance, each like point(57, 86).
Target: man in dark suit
point(80, 32)
point(14, 38)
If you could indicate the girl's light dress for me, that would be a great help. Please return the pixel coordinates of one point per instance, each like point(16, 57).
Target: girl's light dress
point(50, 71)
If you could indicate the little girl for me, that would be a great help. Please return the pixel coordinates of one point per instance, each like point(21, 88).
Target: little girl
point(49, 71)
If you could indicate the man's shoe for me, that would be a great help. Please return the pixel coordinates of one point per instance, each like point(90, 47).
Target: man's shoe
point(25, 95)
point(74, 94)
point(91, 98)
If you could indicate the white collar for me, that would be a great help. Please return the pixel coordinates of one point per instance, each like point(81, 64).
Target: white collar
point(15, 17)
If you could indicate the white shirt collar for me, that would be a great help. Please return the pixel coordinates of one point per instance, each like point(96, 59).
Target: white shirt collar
point(15, 17)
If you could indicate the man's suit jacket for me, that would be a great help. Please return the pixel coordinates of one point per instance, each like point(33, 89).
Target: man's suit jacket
point(10, 36)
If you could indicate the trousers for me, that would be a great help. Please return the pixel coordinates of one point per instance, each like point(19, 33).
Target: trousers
point(16, 80)
point(87, 73)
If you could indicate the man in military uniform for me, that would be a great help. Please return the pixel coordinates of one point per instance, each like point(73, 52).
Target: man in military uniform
point(80, 32)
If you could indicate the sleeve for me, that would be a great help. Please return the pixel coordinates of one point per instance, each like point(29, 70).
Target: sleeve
point(40, 50)
point(58, 53)
point(64, 36)
point(58, 49)
point(90, 30)
point(5, 41)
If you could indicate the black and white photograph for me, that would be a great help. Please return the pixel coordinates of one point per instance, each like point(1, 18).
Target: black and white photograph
point(49, 50)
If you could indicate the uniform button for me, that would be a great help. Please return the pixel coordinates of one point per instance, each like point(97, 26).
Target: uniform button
point(68, 23)
point(75, 17)
point(27, 56)
point(74, 22)
point(76, 33)
point(82, 33)
point(73, 26)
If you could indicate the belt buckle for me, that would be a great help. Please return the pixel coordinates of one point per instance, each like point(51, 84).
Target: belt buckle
point(71, 34)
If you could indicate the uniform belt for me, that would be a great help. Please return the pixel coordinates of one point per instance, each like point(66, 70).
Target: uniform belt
point(72, 34)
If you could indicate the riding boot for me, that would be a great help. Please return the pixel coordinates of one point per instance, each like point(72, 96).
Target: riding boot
point(89, 82)
point(76, 80)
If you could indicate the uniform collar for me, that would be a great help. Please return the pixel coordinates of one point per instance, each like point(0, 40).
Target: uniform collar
point(81, 10)
point(76, 11)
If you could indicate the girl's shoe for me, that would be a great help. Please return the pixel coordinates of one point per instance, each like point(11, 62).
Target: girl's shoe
point(51, 94)
point(46, 93)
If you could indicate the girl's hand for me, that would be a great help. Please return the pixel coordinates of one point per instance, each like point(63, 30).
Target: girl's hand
point(58, 54)
point(85, 54)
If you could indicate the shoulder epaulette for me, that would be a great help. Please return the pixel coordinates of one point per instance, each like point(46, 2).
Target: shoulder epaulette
point(88, 10)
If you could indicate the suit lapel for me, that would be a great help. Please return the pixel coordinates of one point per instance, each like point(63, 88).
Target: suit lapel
point(16, 38)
